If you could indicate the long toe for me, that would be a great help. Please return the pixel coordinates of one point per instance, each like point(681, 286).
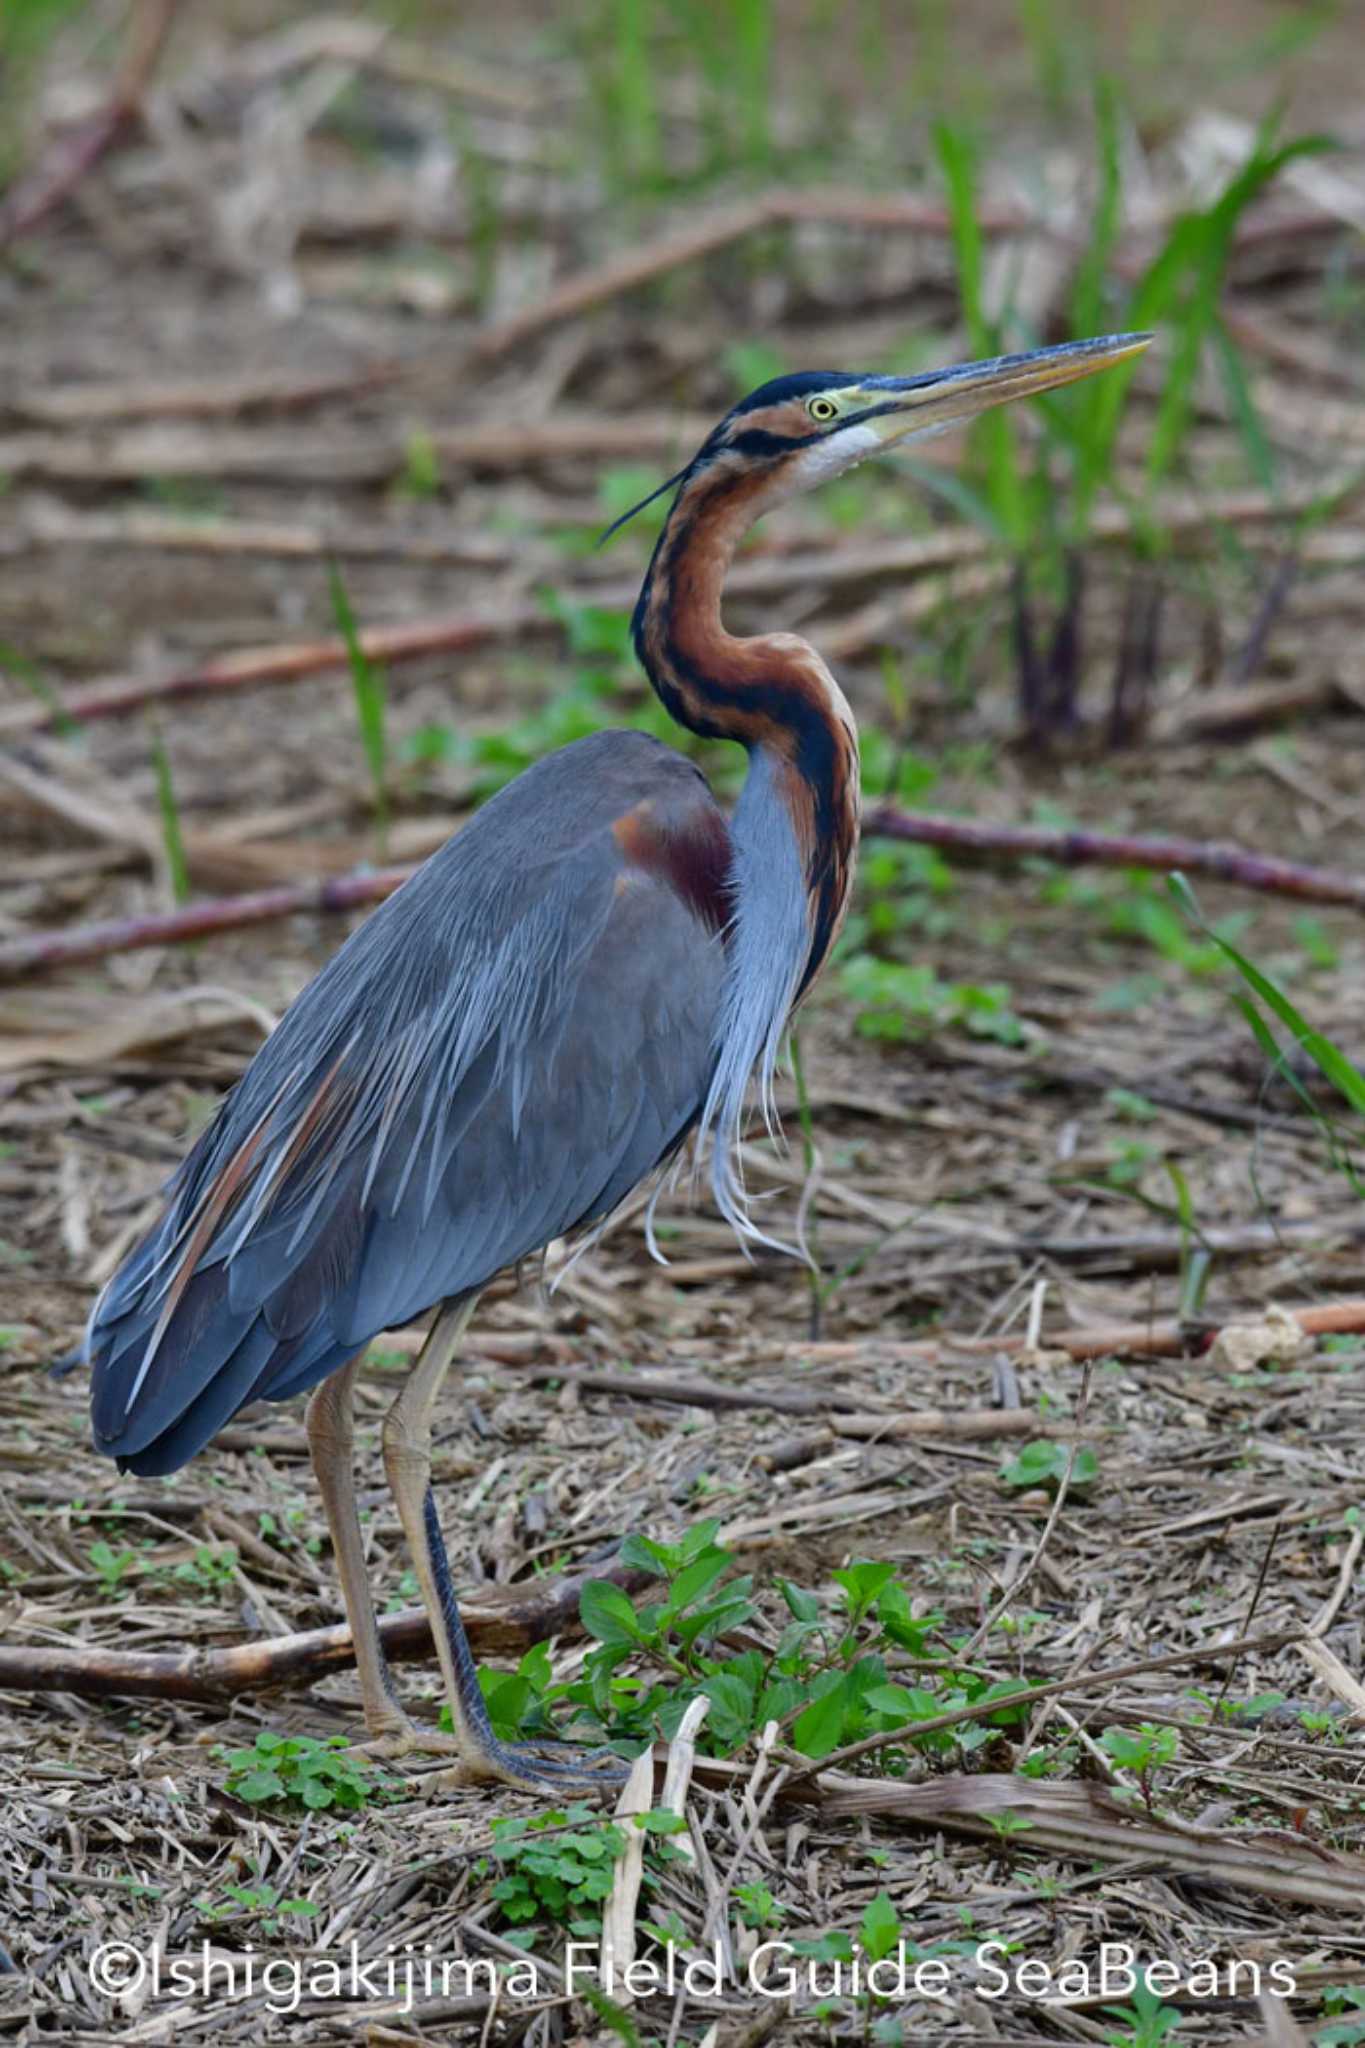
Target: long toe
point(553, 1767)
point(408, 1740)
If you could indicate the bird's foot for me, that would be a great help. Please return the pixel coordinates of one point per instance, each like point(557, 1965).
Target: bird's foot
point(399, 1737)
point(538, 1767)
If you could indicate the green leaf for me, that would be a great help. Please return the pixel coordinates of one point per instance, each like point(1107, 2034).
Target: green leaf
point(693, 1580)
point(880, 1928)
point(907, 1703)
point(818, 1730)
point(801, 1606)
point(834, 1947)
point(1329, 1060)
point(255, 1786)
point(643, 1555)
point(732, 1707)
point(1043, 1463)
point(607, 1613)
point(863, 1580)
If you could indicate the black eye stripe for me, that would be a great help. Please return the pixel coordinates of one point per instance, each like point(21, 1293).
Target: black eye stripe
point(757, 442)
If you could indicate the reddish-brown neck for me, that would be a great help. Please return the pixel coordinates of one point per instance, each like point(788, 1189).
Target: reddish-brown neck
point(771, 692)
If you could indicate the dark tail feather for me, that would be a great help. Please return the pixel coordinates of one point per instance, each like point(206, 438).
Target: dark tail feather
point(231, 1386)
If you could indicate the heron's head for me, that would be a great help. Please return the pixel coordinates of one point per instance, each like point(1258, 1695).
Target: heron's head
point(795, 432)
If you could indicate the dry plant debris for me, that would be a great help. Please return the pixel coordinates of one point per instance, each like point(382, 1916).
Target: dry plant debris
point(313, 328)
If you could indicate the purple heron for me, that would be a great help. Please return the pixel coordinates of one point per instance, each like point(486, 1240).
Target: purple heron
point(593, 970)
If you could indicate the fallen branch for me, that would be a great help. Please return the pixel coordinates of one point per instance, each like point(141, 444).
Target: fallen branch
point(175, 927)
point(454, 633)
point(588, 289)
point(968, 1425)
point(46, 949)
point(1106, 1340)
point(84, 405)
point(1234, 864)
point(61, 168)
point(496, 1623)
point(244, 455)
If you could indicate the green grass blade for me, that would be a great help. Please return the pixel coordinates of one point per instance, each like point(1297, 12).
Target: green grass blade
point(1329, 1060)
point(172, 839)
point(17, 664)
point(371, 693)
point(1260, 454)
point(994, 433)
point(1088, 295)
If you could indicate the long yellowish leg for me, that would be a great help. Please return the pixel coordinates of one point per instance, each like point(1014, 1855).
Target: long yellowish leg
point(331, 1437)
point(407, 1461)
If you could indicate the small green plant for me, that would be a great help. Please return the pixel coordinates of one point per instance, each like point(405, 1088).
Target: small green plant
point(757, 1906)
point(113, 1567)
point(1044, 1463)
point(261, 1903)
point(1007, 1825)
point(209, 1571)
point(1343, 2006)
point(420, 478)
point(1036, 499)
point(1147, 2022)
point(558, 1865)
point(300, 1771)
point(826, 1677)
point(1142, 1751)
point(895, 1001)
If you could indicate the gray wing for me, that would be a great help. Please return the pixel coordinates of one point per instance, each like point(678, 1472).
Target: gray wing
point(498, 1055)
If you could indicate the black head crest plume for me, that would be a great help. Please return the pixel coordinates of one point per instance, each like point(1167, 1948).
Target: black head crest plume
point(626, 517)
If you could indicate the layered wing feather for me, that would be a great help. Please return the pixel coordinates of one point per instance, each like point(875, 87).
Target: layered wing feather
point(496, 1057)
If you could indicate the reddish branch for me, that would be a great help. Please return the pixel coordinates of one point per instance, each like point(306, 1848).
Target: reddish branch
point(38, 950)
point(454, 633)
point(1232, 864)
point(62, 167)
point(176, 927)
point(1103, 1340)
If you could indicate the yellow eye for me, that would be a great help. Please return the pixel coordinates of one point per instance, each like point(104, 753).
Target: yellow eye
point(823, 409)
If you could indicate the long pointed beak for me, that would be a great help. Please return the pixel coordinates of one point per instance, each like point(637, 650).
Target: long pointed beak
point(901, 406)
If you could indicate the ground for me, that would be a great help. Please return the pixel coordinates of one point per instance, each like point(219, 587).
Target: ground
point(1049, 1120)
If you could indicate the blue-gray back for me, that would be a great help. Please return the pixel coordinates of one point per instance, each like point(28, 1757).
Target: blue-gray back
point(497, 1056)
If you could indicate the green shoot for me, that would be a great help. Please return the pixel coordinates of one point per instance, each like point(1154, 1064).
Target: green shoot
point(17, 664)
point(371, 691)
point(172, 839)
point(994, 432)
point(1265, 996)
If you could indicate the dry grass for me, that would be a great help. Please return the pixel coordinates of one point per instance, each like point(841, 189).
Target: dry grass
point(965, 1188)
